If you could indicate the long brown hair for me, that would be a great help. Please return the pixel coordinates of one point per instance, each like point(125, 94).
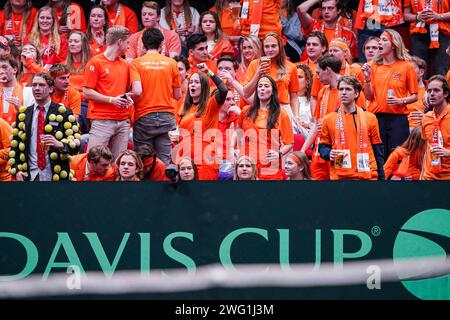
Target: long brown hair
point(415, 145)
point(281, 58)
point(85, 54)
point(204, 97)
point(105, 26)
point(35, 33)
point(274, 106)
point(26, 12)
point(218, 34)
point(308, 79)
point(187, 13)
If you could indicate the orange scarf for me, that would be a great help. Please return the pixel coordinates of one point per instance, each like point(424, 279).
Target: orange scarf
point(436, 140)
point(256, 16)
point(10, 116)
point(383, 8)
point(341, 141)
point(419, 26)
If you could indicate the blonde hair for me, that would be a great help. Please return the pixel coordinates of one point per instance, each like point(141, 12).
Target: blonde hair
point(256, 44)
point(252, 162)
point(400, 51)
point(281, 58)
point(35, 34)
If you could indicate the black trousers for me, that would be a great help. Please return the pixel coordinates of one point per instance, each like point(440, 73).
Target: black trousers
point(394, 130)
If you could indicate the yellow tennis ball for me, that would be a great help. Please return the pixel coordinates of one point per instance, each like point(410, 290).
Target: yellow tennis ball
point(12, 154)
point(22, 109)
point(22, 157)
point(67, 125)
point(54, 156)
point(72, 118)
point(22, 116)
point(55, 177)
point(59, 118)
point(57, 169)
point(14, 143)
point(59, 135)
point(63, 174)
point(48, 128)
point(52, 117)
point(22, 146)
point(69, 132)
point(25, 166)
point(62, 109)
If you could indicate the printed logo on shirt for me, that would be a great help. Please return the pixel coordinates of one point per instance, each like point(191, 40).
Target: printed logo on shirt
point(107, 71)
point(396, 76)
point(92, 69)
point(427, 234)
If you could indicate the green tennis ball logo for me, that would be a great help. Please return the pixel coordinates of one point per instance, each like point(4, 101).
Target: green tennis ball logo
point(427, 234)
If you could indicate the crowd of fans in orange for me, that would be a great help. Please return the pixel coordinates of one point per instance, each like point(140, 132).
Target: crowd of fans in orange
point(248, 90)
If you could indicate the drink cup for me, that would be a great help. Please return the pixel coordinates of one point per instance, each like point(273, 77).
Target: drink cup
point(338, 160)
point(265, 62)
point(43, 145)
point(391, 93)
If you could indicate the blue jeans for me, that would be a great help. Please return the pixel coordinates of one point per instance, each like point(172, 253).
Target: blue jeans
point(435, 58)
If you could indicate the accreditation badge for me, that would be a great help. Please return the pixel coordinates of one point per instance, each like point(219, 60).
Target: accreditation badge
point(363, 162)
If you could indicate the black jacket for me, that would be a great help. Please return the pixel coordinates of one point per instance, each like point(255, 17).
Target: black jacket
point(63, 155)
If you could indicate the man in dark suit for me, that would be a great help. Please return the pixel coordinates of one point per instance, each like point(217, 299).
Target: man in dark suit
point(45, 134)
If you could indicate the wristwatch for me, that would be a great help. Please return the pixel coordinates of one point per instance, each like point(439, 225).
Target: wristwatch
point(440, 17)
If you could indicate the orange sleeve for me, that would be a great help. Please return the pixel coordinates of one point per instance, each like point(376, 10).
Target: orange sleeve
point(134, 71)
point(411, 79)
point(251, 70)
point(33, 67)
point(325, 134)
point(447, 77)
point(132, 48)
point(316, 114)
point(391, 164)
point(91, 75)
point(5, 143)
point(132, 21)
point(294, 85)
point(173, 41)
point(287, 135)
point(75, 101)
point(316, 86)
point(374, 129)
point(2, 20)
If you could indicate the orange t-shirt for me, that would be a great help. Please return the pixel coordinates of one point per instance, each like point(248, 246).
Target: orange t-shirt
point(197, 127)
point(5, 143)
point(416, 105)
point(14, 28)
point(256, 143)
point(327, 136)
point(393, 162)
point(427, 132)
point(334, 101)
point(159, 170)
point(270, 20)
point(78, 165)
point(339, 31)
point(171, 43)
point(77, 20)
point(289, 82)
point(158, 75)
point(229, 21)
point(71, 98)
point(388, 21)
point(399, 76)
point(96, 49)
point(312, 66)
point(110, 78)
point(222, 48)
point(76, 79)
point(352, 70)
point(439, 6)
point(126, 18)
